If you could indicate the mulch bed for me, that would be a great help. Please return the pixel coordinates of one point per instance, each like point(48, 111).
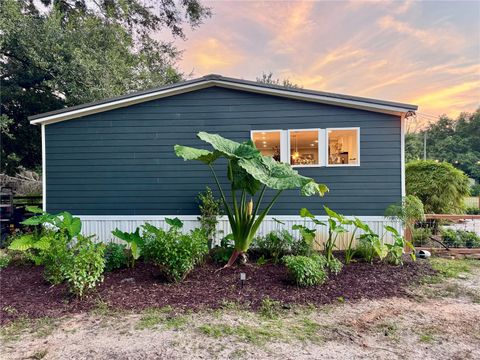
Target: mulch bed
point(24, 292)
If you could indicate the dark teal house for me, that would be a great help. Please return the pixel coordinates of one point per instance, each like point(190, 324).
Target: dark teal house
point(112, 161)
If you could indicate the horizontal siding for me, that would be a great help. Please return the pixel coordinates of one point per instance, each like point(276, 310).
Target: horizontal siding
point(121, 162)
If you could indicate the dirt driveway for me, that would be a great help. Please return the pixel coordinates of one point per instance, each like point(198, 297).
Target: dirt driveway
point(440, 320)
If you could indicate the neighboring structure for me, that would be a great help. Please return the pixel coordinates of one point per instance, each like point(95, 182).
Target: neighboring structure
point(113, 160)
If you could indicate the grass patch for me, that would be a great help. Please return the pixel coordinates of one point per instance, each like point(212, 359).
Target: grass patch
point(266, 326)
point(41, 327)
point(40, 354)
point(389, 329)
point(154, 317)
point(453, 268)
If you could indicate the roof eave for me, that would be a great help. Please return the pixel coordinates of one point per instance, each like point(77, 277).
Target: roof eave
point(65, 114)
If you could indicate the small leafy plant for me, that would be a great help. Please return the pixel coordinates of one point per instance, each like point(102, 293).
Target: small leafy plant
point(210, 210)
point(175, 253)
point(305, 271)
point(4, 260)
point(396, 250)
point(135, 241)
point(221, 253)
point(85, 266)
point(115, 256)
point(275, 244)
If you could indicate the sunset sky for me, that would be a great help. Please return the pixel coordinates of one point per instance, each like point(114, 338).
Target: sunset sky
point(425, 53)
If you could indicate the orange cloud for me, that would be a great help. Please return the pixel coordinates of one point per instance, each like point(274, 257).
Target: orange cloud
point(212, 55)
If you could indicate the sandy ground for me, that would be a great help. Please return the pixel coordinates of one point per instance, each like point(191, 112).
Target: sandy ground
point(439, 321)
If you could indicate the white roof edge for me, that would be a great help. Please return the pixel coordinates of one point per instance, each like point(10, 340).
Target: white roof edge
point(114, 104)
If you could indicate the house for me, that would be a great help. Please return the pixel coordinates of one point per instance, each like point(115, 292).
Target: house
point(112, 162)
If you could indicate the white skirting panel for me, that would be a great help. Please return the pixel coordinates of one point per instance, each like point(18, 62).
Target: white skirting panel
point(103, 225)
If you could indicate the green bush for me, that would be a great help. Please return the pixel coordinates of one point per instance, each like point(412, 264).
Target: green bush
point(175, 253)
point(115, 257)
point(421, 236)
point(334, 265)
point(305, 271)
point(85, 266)
point(460, 238)
point(439, 185)
point(472, 211)
point(221, 253)
point(4, 260)
point(365, 249)
point(275, 244)
point(210, 209)
point(56, 243)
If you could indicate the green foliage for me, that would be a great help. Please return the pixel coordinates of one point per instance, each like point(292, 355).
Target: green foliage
point(85, 265)
point(64, 53)
point(472, 211)
point(115, 256)
point(365, 248)
point(421, 235)
point(275, 244)
point(460, 238)
point(49, 243)
point(454, 141)
point(248, 171)
point(4, 260)
point(475, 190)
point(305, 271)
point(396, 250)
point(408, 211)
point(175, 253)
point(439, 186)
point(135, 241)
point(67, 256)
point(210, 210)
point(267, 78)
point(334, 266)
point(221, 253)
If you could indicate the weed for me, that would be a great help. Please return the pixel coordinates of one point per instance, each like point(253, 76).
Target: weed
point(154, 317)
point(270, 308)
point(40, 354)
point(41, 327)
point(453, 268)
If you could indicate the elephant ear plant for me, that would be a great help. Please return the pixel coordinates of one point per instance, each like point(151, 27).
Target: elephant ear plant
point(249, 173)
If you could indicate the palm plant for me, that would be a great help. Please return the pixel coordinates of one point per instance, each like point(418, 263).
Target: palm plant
point(249, 173)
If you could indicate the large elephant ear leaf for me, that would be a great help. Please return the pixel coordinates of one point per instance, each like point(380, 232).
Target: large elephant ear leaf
point(280, 176)
point(230, 148)
point(241, 179)
point(189, 153)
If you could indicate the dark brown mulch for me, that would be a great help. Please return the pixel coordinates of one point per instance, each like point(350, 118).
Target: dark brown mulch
point(24, 292)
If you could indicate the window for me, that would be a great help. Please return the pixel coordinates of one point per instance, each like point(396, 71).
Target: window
point(268, 142)
point(304, 147)
point(310, 147)
point(343, 146)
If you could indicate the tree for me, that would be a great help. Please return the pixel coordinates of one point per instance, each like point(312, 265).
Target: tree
point(248, 172)
point(75, 52)
point(267, 78)
point(440, 186)
point(454, 141)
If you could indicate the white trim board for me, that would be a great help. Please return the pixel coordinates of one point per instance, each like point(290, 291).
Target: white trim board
point(205, 83)
point(44, 170)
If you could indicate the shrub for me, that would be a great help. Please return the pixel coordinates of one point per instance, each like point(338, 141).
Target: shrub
point(440, 186)
point(85, 266)
point(472, 211)
point(460, 238)
point(176, 254)
point(4, 260)
point(365, 249)
point(115, 256)
point(421, 236)
point(334, 265)
point(305, 271)
point(275, 244)
point(210, 209)
point(221, 253)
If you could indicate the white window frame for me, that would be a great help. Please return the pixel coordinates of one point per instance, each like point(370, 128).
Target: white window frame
point(327, 164)
point(283, 142)
point(321, 155)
